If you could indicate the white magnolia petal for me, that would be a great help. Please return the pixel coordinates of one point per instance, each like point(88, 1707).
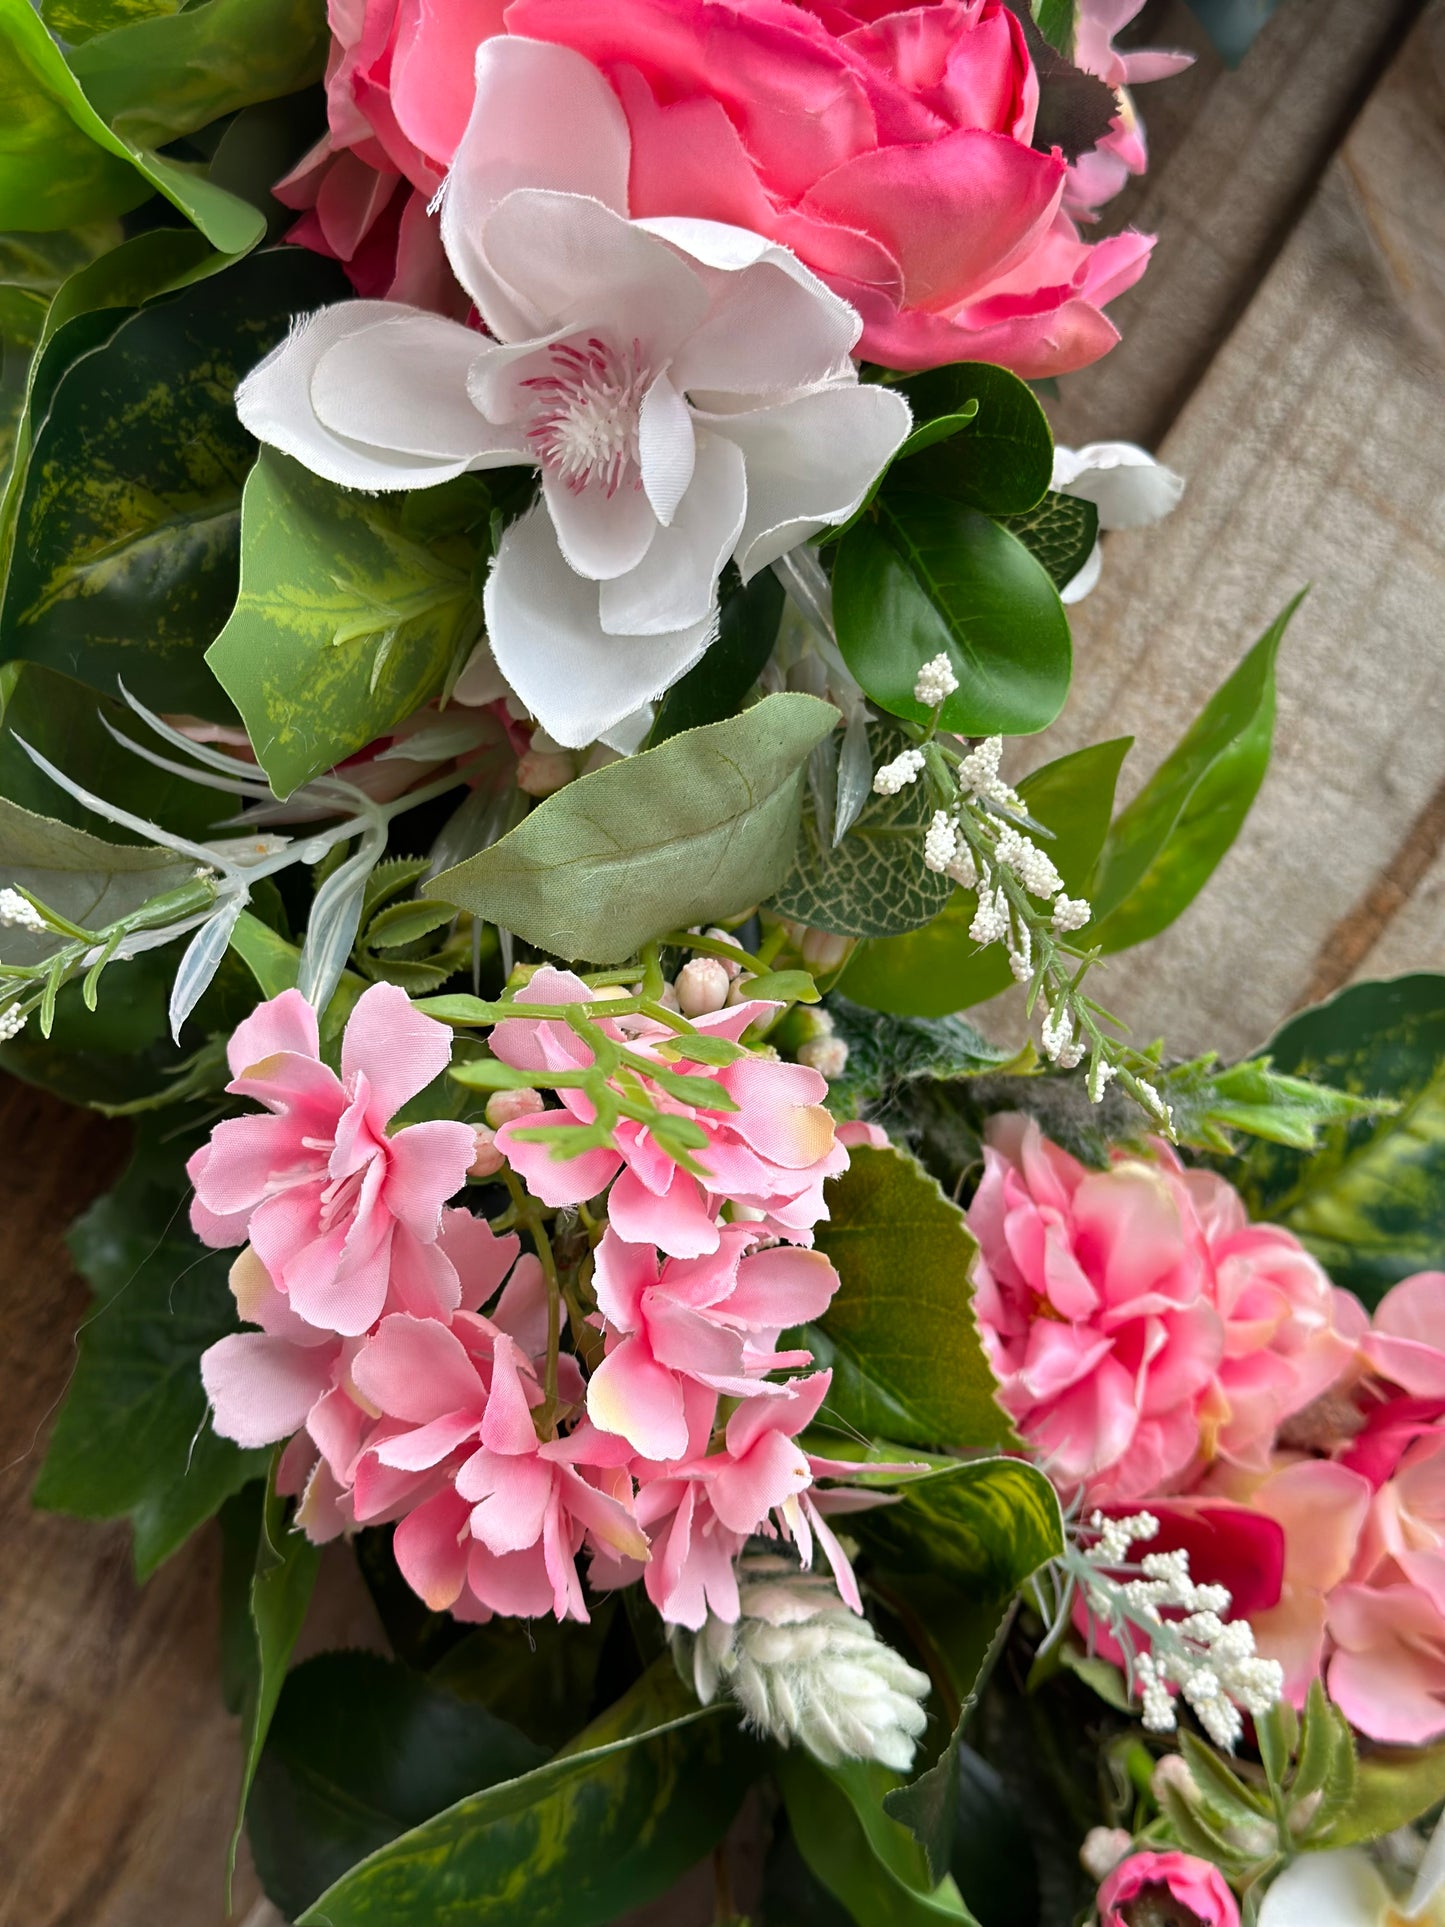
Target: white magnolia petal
point(628, 736)
point(401, 383)
point(811, 460)
point(600, 535)
point(1429, 1876)
point(549, 644)
point(1127, 486)
point(1080, 585)
point(1339, 1889)
point(497, 377)
point(481, 681)
point(576, 263)
point(675, 585)
point(667, 447)
point(526, 90)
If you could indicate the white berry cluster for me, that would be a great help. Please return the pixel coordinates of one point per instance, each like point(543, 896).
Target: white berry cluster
point(19, 912)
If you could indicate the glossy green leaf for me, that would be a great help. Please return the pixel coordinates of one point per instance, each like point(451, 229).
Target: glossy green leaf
point(697, 830)
point(76, 20)
point(343, 625)
point(874, 883)
point(1057, 21)
point(870, 1862)
point(128, 516)
point(132, 1438)
point(899, 1334)
point(641, 1795)
point(981, 1525)
point(360, 1750)
point(1167, 843)
point(155, 79)
point(715, 687)
point(61, 165)
point(923, 576)
point(271, 960)
point(538, 1674)
point(1371, 1203)
point(940, 969)
point(1002, 462)
point(1059, 533)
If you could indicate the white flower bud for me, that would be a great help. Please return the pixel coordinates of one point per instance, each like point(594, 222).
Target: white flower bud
point(940, 843)
point(702, 987)
point(1103, 1849)
point(507, 1107)
point(731, 966)
point(19, 912)
point(905, 768)
point(826, 1055)
point(1172, 1770)
point(12, 1022)
point(936, 682)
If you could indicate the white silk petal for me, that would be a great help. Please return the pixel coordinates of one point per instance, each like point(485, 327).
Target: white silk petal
point(400, 382)
point(600, 535)
point(675, 585)
point(1125, 483)
point(667, 447)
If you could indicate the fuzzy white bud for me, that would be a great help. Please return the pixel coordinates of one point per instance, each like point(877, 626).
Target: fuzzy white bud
point(906, 768)
point(936, 682)
point(1103, 1849)
point(702, 987)
point(940, 843)
point(19, 912)
point(12, 1022)
point(826, 1055)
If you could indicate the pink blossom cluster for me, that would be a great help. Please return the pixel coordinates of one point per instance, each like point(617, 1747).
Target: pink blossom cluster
point(891, 148)
point(1154, 1346)
point(401, 1347)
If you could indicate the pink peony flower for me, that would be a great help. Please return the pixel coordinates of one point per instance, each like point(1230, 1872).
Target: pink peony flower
point(1093, 1301)
point(888, 148)
point(1174, 1881)
point(344, 1218)
point(770, 1152)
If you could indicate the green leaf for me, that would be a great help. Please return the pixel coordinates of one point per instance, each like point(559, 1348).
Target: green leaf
point(126, 525)
point(359, 1751)
point(645, 1792)
point(90, 882)
point(1166, 844)
point(940, 969)
point(271, 960)
point(716, 686)
point(539, 1674)
point(870, 1862)
point(60, 165)
point(1003, 460)
point(1370, 1204)
point(1231, 1801)
point(899, 1334)
point(1059, 533)
point(155, 79)
point(1252, 1097)
point(981, 1525)
point(1392, 1787)
point(924, 576)
point(1057, 21)
point(698, 829)
point(874, 882)
point(886, 1054)
point(76, 20)
point(132, 1438)
point(344, 624)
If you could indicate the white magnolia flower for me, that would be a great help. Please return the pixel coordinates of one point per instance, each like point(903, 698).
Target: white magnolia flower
point(684, 387)
point(1127, 486)
point(1345, 1888)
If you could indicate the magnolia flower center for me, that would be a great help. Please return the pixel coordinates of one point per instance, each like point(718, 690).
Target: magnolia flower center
point(584, 422)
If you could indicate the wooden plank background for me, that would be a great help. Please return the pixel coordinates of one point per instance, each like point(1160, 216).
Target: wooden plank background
point(1286, 353)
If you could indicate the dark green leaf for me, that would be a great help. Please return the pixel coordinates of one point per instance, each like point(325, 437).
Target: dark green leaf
point(343, 624)
point(359, 1751)
point(77, 20)
point(716, 687)
point(1002, 461)
point(899, 1334)
point(700, 828)
point(886, 1054)
point(1057, 21)
point(132, 1437)
point(538, 1674)
point(127, 519)
point(971, 1825)
point(643, 1793)
point(940, 969)
point(1060, 533)
point(1167, 843)
point(924, 576)
point(1076, 109)
point(981, 1525)
point(1371, 1203)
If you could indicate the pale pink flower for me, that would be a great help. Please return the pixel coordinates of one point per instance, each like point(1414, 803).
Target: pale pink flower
point(770, 1152)
point(344, 1217)
point(713, 1320)
point(1097, 176)
point(1406, 1339)
point(1177, 1883)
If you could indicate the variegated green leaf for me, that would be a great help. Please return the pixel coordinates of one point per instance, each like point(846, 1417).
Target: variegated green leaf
point(982, 1526)
point(1060, 533)
point(77, 20)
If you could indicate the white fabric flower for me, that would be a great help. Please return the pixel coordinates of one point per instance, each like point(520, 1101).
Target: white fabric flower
point(1345, 1888)
point(684, 387)
point(1127, 486)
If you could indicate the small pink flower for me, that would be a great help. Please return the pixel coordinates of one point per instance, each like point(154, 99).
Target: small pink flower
point(770, 1152)
point(1191, 1885)
point(1097, 176)
point(1406, 1340)
point(344, 1217)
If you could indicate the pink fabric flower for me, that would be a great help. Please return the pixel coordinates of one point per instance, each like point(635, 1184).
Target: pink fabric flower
point(1097, 176)
point(770, 1153)
point(1092, 1297)
point(344, 1217)
point(1190, 1884)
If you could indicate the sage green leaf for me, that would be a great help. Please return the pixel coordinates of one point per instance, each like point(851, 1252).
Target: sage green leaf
point(900, 1333)
point(87, 880)
point(271, 960)
point(697, 830)
point(1002, 461)
point(715, 687)
point(924, 576)
point(60, 165)
point(867, 1860)
point(1167, 843)
point(1392, 1787)
point(1370, 1204)
point(155, 79)
point(874, 883)
point(127, 522)
point(1059, 533)
point(360, 1750)
point(132, 1439)
point(76, 20)
point(640, 1796)
point(343, 625)
point(930, 972)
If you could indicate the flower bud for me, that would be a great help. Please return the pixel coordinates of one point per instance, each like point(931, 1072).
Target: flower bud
point(488, 1159)
point(506, 1107)
point(826, 1055)
point(820, 950)
point(702, 987)
point(1172, 1770)
point(542, 772)
point(725, 936)
point(1103, 1849)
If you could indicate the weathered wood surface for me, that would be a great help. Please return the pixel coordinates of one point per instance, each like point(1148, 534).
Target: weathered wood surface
point(1285, 352)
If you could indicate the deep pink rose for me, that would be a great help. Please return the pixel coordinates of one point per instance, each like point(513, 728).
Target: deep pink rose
point(1189, 1883)
point(888, 148)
